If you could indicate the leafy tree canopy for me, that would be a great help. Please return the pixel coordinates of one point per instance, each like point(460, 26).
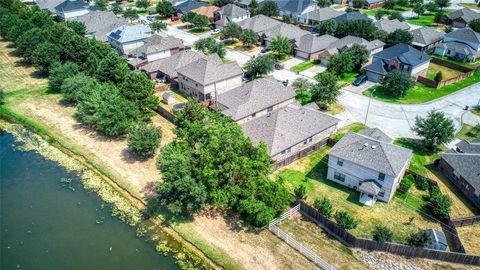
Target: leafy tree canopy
point(249, 37)
point(269, 8)
point(144, 139)
point(435, 129)
point(259, 66)
point(397, 83)
point(77, 27)
point(165, 9)
point(280, 45)
point(327, 27)
point(399, 36)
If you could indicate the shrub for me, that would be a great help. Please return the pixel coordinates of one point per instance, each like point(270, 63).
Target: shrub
point(419, 239)
point(324, 206)
point(345, 220)
point(382, 234)
point(422, 184)
point(438, 77)
point(439, 204)
point(300, 192)
point(144, 139)
point(407, 183)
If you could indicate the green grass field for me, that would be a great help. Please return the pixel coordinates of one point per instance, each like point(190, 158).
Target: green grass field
point(447, 73)
point(304, 66)
point(468, 133)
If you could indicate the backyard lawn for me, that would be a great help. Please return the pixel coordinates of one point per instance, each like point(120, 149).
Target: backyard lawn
point(304, 65)
point(472, 65)
point(372, 12)
point(421, 93)
point(469, 236)
point(468, 133)
point(424, 20)
point(447, 73)
point(396, 214)
point(355, 127)
point(470, 5)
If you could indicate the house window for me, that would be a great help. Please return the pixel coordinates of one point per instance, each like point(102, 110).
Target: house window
point(308, 140)
point(339, 176)
point(270, 109)
point(381, 193)
point(381, 176)
point(449, 51)
point(340, 162)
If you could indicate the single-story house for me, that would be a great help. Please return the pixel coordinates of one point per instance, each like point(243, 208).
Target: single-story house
point(292, 8)
point(390, 26)
point(71, 8)
point(399, 57)
point(426, 38)
point(259, 23)
point(462, 17)
point(461, 45)
point(319, 15)
point(183, 7)
point(208, 77)
point(255, 99)
point(291, 132)
point(290, 31)
point(154, 48)
point(100, 23)
point(437, 241)
point(128, 37)
point(342, 44)
point(371, 4)
point(373, 166)
point(230, 13)
point(208, 11)
point(166, 68)
point(461, 166)
point(311, 46)
point(352, 16)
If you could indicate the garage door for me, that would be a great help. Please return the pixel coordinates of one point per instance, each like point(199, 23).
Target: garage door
point(303, 55)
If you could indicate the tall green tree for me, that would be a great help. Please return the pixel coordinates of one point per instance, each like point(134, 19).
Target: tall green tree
point(442, 4)
point(327, 27)
point(259, 66)
point(323, 3)
point(101, 4)
point(326, 90)
point(112, 68)
point(280, 46)
point(26, 44)
point(419, 9)
point(249, 37)
point(232, 30)
point(76, 88)
point(396, 15)
point(59, 73)
point(200, 21)
point(144, 4)
point(73, 48)
point(130, 14)
point(210, 46)
point(45, 55)
point(359, 28)
point(157, 26)
point(165, 9)
point(340, 63)
point(269, 8)
point(399, 36)
point(77, 27)
point(435, 129)
point(475, 25)
point(397, 83)
point(359, 55)
point(144, 139)
point(138, 89)
point(439, 204)
point(116, 8)
point(188, 17)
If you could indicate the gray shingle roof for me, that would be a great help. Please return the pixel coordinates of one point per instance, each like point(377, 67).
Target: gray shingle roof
point(352, 16)
point(377, 134)
point(466, 163)
point(466, 34)
point(70, 5)
point(188, 5)
point(466, 14)
point(322, 14)
point(458, 47)
point(287, 127)
point(371, 153)
point(99, 23)
point(210, 69)
point(404, 53)
point(232, 10)
point(348, 41)
point(258, 23)
point(127, 33)
point(291, 6)
point(170, 64)
point(312, 43)
point(48, 4)
point(253, 97)
point(469, 147)
point(370, 187)
point(156, 43)
point(424, 36)
point(290, 31)
point(391, 25)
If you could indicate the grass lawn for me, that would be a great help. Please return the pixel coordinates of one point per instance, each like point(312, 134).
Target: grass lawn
point(198, 31)
point(421, 93)
point(447, 73)
point(470, 5)
point(468, 133)
point(476, 110)
point(372, 12)
point(334, 108)
point(304, 66)
point(348, 78)
point(470, 235)
point(395, 214)
point(238, 45)
point(472, 65)
point(423, 20)
point(355, 127)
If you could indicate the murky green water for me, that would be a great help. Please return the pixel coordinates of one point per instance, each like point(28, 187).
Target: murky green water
point(48, 223)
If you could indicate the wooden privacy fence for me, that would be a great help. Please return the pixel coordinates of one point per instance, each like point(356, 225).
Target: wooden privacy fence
point(399, 249)
point(466, 221)
point(466, 72)
point(299, 155)
point(272, 226)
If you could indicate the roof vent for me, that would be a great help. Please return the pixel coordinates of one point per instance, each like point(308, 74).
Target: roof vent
point(374, 146)
point(365, 144)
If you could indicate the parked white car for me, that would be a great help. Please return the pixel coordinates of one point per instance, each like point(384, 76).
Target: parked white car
point(215, 31)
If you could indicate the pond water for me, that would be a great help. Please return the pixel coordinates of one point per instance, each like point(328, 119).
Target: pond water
point(48, 222)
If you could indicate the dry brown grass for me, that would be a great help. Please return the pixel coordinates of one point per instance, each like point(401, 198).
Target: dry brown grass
point(14, 74)
point(470, 235)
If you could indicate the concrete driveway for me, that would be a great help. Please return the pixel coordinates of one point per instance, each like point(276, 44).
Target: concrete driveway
point(396, 120)
point(292, 62)
point(311, 72)
point(359, 89)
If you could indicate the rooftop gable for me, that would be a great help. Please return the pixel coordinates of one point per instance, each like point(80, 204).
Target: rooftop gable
point(465, 34)
point(128, 33)
point(404, 53)
point(210, 69)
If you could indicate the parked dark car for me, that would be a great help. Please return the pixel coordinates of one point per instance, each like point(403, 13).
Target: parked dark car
point(360, 80)
point(151, 18)
point(279, 66)
point(118, 1)
point(152, 12)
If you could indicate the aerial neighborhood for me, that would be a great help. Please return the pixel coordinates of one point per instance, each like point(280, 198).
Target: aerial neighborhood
point(348, 129)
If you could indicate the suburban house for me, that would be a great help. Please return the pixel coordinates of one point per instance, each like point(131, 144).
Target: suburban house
point(230, 13)
point(154, 48)
point(372, 166)
point(166, 68)
point(48, 5)
point(312, 46)
point(352, 16)
point(319, 15)
point(208, 77)
point(462, 17)
point(438, 240)
point(292, 8)
point(426, 38)
point(461, 45)
point(390, 26)
point(291, 132)
point(71, 8)
point(208, 11)
point(100, 23)
point(183, 7)
point(258, 23)
point(461, 166)
point(342, 44)
point(399, 57)
point(128, 37)
point(290, 31)
point(371, 4)
point(255, 99)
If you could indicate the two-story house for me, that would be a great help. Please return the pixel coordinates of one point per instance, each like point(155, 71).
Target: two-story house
point(127, 38)
point(319, 15)
point(399, 57)
point(154, 48)
point(71, 8)
point(291, 132)
point(208, 77)
point(230, 13)
point(426, 38)
point(340, 45)
point(254, 99)
point(369, 163)
point(461, 45)
point(99, 23)
point(462, 17)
